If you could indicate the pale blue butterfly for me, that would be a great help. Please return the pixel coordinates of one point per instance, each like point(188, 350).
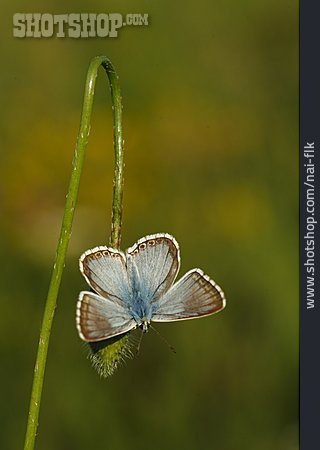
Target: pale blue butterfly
point(137, 287)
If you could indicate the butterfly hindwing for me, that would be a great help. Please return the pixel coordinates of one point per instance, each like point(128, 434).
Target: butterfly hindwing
point(104, 269)
point(99, 318)
point(194, 295)
point(156, 259)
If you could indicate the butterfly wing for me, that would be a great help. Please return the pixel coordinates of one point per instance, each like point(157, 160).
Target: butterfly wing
point(154, 260)
point(105, 271)
point(99, 318)
point(194, 295)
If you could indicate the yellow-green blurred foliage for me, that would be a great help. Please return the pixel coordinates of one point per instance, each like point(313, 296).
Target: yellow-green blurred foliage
point(210, 124)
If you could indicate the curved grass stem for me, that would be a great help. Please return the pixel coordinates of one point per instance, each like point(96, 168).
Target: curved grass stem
point(66, 226)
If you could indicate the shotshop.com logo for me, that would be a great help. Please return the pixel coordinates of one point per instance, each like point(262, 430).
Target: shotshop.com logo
point(74, 25)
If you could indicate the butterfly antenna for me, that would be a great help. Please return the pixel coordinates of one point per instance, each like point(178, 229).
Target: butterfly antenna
point(164, 340)
point(139, 343)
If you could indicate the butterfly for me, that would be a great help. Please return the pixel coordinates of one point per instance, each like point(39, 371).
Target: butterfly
point(135, 287)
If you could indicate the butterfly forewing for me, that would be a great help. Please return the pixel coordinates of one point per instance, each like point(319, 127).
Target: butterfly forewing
point(157, 260)
point(98, 318)
point(105, 270)
point(194, 295)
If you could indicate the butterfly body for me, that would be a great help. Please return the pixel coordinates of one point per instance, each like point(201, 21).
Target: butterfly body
point(137, 287)
point(140, 310)
point(138, 303)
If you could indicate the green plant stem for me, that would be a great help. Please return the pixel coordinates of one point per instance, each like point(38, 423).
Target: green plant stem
point(66, 226)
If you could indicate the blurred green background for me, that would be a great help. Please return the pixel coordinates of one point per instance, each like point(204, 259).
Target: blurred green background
point(210, 93)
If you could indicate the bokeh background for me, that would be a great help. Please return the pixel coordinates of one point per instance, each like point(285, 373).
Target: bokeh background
point(210, 93)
